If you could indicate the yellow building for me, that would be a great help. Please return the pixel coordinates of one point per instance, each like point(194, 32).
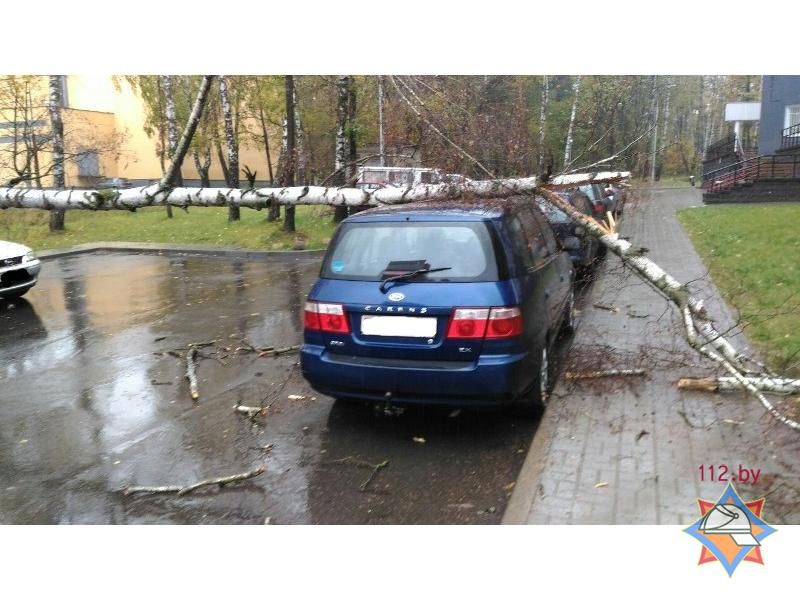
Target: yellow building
point(104, 134)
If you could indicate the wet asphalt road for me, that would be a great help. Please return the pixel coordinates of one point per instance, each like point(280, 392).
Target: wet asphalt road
point(90, 403)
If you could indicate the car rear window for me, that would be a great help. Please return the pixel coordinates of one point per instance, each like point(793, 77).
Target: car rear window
point(363, 251)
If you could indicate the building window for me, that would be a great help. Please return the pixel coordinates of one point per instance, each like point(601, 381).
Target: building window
point(88, 164)
point(792, 117)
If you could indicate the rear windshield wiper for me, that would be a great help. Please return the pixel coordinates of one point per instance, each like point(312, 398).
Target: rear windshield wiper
point(410, 275)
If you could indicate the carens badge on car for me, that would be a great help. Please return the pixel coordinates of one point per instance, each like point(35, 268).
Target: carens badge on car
point(396, 296)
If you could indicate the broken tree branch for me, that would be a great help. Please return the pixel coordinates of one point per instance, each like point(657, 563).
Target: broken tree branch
point(606, 373)
point(191, 372)
point(772, 385)
point(182, 490)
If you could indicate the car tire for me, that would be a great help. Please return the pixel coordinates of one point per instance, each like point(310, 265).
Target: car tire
point(533, 402)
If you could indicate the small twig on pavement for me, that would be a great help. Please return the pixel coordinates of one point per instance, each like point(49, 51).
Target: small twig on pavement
point(613, 309)
point(364, 464)
point(187, 489)
point(278, 351)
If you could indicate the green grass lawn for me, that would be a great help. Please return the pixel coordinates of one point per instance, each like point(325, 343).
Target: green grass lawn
point(198, 226)
point(753, 253)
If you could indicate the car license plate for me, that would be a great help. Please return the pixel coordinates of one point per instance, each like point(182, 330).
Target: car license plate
point(415, 327)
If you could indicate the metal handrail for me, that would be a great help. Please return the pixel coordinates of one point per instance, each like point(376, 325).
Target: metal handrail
point(747, 171)
point(790, 137)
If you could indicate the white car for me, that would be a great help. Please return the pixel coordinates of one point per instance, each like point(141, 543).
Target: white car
point(19, 269)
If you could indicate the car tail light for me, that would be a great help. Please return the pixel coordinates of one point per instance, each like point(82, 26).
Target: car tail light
point(491, 323)
point(468, 323)
point(504, 322)
point(321, 316)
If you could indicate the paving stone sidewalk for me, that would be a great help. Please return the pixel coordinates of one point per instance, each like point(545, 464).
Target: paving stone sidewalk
point(629, 452)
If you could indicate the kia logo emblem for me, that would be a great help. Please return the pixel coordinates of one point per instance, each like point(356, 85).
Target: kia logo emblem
point(396, 296)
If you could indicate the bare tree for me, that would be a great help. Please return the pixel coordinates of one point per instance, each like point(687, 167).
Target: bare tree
point(342, 118)
point(231, 144)
point(57, 125)
point(172, 128)
point(291, 150)
point(543, 121)
point(576, 88)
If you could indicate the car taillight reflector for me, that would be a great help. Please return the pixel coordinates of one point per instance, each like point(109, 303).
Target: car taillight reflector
point(321, 316)
point(492, 323)
point(504, 322)
point(468, 323)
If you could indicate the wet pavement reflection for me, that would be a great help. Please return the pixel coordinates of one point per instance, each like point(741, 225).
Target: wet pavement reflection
point(91, 401)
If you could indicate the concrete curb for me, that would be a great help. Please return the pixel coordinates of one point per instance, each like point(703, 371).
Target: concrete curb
point(195, 249)
point(527, 485)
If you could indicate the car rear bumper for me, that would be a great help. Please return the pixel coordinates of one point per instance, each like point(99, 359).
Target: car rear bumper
point(491, 380)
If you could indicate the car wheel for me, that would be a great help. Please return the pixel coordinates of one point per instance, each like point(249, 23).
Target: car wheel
point(532, 403)
point(568, 324)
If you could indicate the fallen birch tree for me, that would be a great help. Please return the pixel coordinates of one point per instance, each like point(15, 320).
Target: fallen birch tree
point(700, 332)
point(160, 194)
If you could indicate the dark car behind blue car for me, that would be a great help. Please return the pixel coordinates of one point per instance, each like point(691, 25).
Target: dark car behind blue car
point(583, 247)
point(439, 304)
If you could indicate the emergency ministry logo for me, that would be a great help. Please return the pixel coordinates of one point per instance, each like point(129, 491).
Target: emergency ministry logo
point(731, 530)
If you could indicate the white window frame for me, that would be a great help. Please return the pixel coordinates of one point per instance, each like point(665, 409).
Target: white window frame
point(791, 109)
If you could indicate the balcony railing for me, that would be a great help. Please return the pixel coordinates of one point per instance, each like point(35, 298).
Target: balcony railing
point(790, 137)
point(721, 148)
point(747, 171)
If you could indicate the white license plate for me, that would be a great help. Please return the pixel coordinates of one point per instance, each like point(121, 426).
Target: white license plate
point(414, 327)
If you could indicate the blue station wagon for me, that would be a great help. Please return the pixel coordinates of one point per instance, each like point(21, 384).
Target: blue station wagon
point(439, 303)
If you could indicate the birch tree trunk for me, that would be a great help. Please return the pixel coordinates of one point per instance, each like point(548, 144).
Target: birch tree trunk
point(291, 151)
point(274, 212)
point(576, 88)
point(57, 125)
point(265, 135)
point(156, 195)
point(543, 121)
point(231, 144)
point(188, 133)
point(342, 96)
point(172, 130)
point(654, 135)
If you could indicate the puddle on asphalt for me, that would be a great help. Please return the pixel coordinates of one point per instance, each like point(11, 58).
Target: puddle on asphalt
point(91, 401)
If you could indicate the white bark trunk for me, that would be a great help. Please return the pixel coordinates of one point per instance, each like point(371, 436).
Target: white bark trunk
point(576, 88)
point(54, 106)
point(543, 120)
point(57, 126)
point(342, 87)
point(157, 195)
point(188, 134)
point(230, 135)
point(172, 119)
